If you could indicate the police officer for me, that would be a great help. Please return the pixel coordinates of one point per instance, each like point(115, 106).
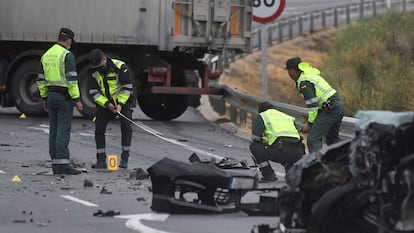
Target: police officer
point(58, 86)
point(276, 138)
point(112, 92)
point(325, 107)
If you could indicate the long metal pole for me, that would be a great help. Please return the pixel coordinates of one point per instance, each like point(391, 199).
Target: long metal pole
point(264, 62)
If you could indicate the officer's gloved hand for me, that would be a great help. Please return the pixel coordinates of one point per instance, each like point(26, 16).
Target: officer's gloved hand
point(118, 108)
point(112, 107)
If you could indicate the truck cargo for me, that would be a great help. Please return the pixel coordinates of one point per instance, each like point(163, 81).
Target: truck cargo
point(162, 41)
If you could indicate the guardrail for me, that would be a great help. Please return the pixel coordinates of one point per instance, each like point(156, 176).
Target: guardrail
point(242, 108)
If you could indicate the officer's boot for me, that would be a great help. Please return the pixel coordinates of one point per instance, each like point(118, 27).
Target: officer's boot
point(124, 159)
point(268, 174)
point(100, 161)
point(66, 169)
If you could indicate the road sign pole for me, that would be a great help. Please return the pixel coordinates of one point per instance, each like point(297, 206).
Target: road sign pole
point(265, 11)
point(263, 43)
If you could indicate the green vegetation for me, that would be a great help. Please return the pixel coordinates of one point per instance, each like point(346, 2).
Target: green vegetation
point(371, 64)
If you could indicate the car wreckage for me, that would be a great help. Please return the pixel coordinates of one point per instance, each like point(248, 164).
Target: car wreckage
point(361, 185)
point(207, 187)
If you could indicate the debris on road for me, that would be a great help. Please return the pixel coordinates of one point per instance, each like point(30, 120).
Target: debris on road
point(200, 187)
point(109, 213)
point(138, 174)
point(105, 191)
point(87, 183)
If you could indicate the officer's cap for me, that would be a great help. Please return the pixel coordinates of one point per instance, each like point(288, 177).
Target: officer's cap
point(66, 34)
point(292, 63)
point(95, 58)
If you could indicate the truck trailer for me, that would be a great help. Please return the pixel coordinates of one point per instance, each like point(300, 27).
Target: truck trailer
point(162, 41)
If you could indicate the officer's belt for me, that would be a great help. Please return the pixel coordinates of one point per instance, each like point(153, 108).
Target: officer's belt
point(289, 140)
point(57, 89)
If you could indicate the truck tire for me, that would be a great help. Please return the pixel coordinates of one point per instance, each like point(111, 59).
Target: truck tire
point(163, 107)
point(24, 89)
point(85, 81)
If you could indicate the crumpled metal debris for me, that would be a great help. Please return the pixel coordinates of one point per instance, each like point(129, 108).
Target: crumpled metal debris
point(109, 213)
point(200, 187)
point(105, 191)
point(361, 185)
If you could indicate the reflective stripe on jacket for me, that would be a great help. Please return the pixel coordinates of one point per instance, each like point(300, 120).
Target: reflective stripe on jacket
point(278, 124)
point(117, 92)
point(322, 88)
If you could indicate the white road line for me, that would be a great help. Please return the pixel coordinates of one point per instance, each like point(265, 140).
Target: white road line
point(134, 222)
point(45, 130)
point(87, 134)
point(2, 172)
point(86, 203)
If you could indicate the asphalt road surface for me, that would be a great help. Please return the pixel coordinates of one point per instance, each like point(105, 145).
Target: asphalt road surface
point(33, 200)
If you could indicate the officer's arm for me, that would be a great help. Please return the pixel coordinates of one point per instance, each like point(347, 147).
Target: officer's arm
point(96, 93)
point(41, 83)
point(258, 129)
point(126, 85)
point(72, 77)
point(307, 89)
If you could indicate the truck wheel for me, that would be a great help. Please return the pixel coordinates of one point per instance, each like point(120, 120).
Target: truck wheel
point(24, 89)
point(85, 82)
point(163, 107)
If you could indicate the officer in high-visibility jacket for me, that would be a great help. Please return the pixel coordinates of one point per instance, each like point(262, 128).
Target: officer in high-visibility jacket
point(325, 107)
point(58, 87)
point(276, 138)
point(112, 92)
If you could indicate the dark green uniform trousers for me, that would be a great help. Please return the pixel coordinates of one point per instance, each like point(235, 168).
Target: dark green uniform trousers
point(327, 125)
point(60, 108)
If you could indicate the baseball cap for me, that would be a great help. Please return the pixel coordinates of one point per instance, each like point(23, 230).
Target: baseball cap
point(95, 58)
point(65, 34)
point(292, 63)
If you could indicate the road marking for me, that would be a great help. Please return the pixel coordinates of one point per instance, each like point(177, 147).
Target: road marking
point(45, 130)
point(2, 172)
point(86, 203)
point(87, 134)
point(134, 222)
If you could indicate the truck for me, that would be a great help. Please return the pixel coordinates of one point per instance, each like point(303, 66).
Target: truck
point(165, 43)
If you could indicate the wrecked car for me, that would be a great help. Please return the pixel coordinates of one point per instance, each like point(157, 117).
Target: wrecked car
point(200, 186)
point(361, 185)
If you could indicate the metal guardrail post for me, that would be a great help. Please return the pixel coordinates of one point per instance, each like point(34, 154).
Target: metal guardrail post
point(404, 5)
point(290, 28)
point(233, 114)
point(336, 17)
point(269, 36)
point(311, 26)
point(323, 19)
point(348, 15)
point(281, 32)
point(361, 10)
point(300, 22)
point(374, 9)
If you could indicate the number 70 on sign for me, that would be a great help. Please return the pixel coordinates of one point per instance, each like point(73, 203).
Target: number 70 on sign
point(265, 11)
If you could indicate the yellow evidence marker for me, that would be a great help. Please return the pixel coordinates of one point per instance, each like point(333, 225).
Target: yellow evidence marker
point(16, 178)
point(112, 162)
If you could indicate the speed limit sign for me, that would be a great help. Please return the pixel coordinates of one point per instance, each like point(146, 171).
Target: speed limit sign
point(265, 11)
